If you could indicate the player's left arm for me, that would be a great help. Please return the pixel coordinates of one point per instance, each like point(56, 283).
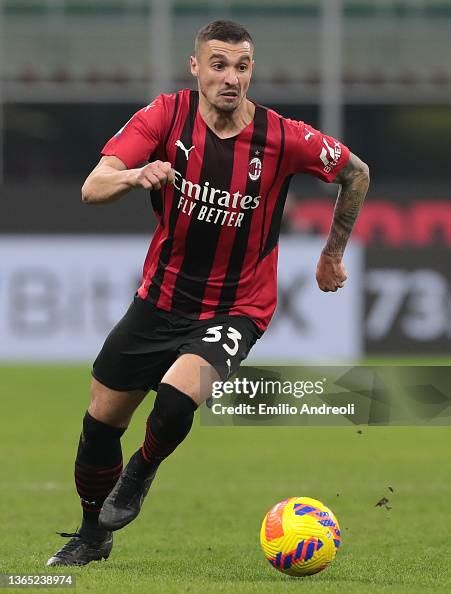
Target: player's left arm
point(354, 180)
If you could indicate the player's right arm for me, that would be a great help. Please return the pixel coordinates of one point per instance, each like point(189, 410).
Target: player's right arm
point(111, 179)
point(124, 164)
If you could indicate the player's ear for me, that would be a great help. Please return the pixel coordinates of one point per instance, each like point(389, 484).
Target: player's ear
point(193, 66)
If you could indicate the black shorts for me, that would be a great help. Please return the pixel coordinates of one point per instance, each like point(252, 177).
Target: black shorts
point(146, 342)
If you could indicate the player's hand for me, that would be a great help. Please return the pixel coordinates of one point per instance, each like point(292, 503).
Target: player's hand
point(330, 273)
point(154, 175)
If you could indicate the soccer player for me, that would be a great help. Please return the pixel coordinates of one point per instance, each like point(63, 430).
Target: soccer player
point(218, 167)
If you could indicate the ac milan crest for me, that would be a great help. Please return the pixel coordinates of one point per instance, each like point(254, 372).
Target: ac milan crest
point(255, 168)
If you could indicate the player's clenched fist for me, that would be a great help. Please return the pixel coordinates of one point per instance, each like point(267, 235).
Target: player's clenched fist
point(154, 175)
point(330, 273)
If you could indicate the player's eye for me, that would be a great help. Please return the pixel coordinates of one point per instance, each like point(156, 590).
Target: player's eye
point(243, 67)
point(217, 66)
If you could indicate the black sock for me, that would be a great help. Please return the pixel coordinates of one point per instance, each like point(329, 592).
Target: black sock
point(97, 467)
point(167, 425)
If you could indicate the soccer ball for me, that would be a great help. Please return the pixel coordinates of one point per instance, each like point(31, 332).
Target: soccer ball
point(300, 536)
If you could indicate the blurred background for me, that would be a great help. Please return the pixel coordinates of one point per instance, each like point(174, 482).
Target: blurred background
point(376, 74)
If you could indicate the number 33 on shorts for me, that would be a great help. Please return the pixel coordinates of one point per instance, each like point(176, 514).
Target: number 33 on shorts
point(231, 340)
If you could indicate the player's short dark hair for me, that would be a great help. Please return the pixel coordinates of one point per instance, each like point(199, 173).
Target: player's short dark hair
point(227, 31)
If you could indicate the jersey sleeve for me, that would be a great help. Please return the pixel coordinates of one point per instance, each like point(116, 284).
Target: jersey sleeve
point(310, 151)
point(135, 142)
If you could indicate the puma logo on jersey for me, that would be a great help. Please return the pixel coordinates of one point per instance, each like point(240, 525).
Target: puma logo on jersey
point(179, 143)
point(308, 135)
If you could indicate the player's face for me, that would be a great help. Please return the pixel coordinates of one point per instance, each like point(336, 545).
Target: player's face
point(224, 72)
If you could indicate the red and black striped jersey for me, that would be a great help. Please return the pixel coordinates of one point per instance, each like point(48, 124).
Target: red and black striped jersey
point(215, 247)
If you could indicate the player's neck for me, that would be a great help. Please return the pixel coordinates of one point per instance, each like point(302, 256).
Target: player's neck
point(223, 124)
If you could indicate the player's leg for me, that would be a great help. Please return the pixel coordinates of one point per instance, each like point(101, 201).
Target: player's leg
point(98, 466)
point(125, 369)
point(98, 463)
point(187, 383)
point(178, 396)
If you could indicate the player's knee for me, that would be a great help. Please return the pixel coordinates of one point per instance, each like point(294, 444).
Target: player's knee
point(113, 407)
point(173, 411)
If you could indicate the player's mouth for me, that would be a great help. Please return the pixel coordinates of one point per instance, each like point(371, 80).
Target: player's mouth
point(230, 95)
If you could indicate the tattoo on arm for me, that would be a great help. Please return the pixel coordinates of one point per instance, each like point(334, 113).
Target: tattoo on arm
point(354, 180)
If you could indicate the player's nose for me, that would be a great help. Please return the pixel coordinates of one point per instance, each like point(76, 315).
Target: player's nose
point(231, 77)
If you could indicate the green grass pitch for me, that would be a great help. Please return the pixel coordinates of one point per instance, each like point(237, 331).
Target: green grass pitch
point(198, 531)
